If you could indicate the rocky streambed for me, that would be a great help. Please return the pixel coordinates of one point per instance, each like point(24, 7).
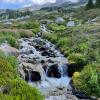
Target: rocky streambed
point(42, 65)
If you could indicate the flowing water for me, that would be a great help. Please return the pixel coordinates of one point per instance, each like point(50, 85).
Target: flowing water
point(40, 55)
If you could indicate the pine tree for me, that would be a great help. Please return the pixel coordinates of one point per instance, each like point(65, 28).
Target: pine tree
point(98, 3)
point(89, 5)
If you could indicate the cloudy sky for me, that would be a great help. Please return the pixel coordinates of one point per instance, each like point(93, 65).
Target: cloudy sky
point(21, 3)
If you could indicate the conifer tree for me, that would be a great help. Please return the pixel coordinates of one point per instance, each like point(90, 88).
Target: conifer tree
point(89, 5)
point(98, 3)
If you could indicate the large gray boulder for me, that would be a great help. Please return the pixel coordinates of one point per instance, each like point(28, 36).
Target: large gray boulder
point(8, 50)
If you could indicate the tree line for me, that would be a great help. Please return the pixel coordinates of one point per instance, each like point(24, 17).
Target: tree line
point(91, 4)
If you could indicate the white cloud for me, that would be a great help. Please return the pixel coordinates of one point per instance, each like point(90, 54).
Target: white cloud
point(13, 1)
point(33, 1)
point(73, 0)
point(40, 2)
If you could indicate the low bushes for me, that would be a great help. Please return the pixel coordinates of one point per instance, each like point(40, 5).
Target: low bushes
point(12, 36)
point(87, 80)
point(81, 44)
point(77, 58)
point(34, 25)
point(56, 27)
point(20, 90)
point(11, 86)
point(12, 41)
point(6, 72)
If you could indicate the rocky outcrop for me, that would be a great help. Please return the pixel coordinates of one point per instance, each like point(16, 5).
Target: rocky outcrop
point(71, 69)
point(60, 94)
point(8, 50)
point(53, 71)
point(42, 65)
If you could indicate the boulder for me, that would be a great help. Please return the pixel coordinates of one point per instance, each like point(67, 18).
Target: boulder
point(81, 95)
point(53, 71)
point(35, 76)
point(26, 75)
point(71, 23)
point(8, 50)
point(71, 69)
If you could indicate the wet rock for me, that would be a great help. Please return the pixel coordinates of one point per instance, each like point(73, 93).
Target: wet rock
point(42, 48)
point(35, 76)
point(81, 95)
point(71, 69)
point(37, 47)
point(21, 47)
point(32, 61)
point(93, 98)
point(50, 61)
point(45, 67)
point(42, 62)
point(45, 53)
point(4, 89)
point(26, 75)
point(53, 71)
point(31, 52)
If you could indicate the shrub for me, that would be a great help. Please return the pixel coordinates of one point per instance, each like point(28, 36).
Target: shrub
point(52, 37)
point(77, 58)
point(56, 27)
point(14, 88)
point(22, 90)
point(7, 72)
point(12, 41)
point(88, 81)
point(62, 41)
point(19, 90)
point(26, 34)
point(75, 77)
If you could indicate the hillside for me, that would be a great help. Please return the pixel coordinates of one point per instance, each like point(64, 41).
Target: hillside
point(50, 54)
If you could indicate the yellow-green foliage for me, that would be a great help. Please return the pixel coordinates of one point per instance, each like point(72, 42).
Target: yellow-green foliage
point(12, 41)
point(77, 58)
point(12, 36)
point(88, 80)
point(7, 72)
point(22, 90)
point(18, 89)
point(63, 41)
point(35, 25)
point(15, 88)
point(75, 77)
point(56, 27)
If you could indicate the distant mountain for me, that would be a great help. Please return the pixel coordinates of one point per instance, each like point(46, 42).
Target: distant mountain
point(58, 3)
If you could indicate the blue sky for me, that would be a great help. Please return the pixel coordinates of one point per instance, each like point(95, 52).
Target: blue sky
point(14, 4)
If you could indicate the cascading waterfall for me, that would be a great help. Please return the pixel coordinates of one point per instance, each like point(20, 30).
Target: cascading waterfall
point(31, 54)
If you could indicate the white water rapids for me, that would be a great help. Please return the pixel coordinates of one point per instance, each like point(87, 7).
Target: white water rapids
point(47, 83)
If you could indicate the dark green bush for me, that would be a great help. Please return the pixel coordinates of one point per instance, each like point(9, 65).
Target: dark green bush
point(22, 90)
point(77, 58)
point(12, 41)
point(88, 81)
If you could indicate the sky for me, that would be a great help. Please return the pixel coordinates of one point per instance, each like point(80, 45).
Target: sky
point(15, 4)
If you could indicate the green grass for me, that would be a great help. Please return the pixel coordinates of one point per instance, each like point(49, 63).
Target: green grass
point(14, 87)
point(81, 44)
